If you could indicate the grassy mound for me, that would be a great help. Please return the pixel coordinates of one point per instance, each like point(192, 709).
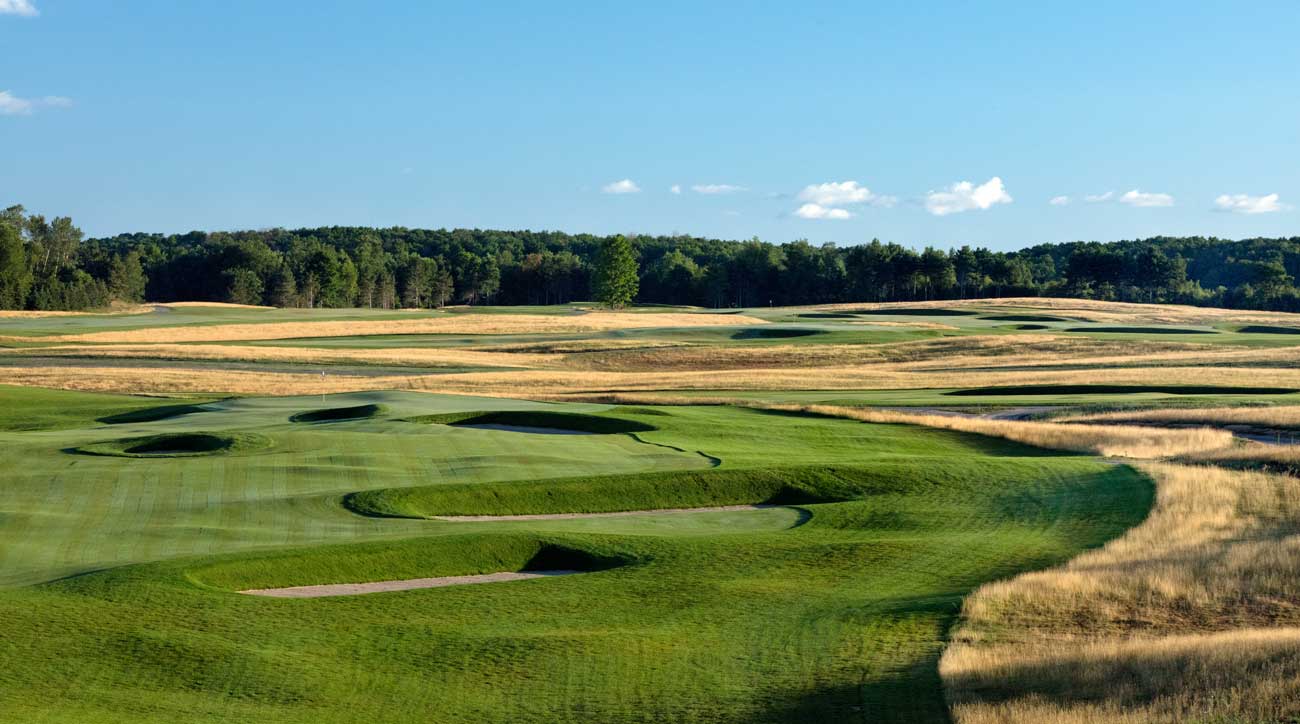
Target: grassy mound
point(1024, 318)
point(458, 555)
point(593, 424)
point(646, 491)
point(775, 333)
point(339, 414)
point(726, 617)
point(1117, 389)
point(1141, 330)
point(1266, 329)
point(827, 315)
point(151, 414)
point(179, 445)
point(1031, 327)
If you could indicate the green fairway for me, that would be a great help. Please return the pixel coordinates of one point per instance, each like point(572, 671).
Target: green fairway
point(119, 573)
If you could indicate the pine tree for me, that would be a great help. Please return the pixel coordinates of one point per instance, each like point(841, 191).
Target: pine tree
point(126, 279)
point(284, 289)
point(616, 278)
point(15, 279)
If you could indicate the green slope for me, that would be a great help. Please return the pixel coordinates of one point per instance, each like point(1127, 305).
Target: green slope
point(834, 611)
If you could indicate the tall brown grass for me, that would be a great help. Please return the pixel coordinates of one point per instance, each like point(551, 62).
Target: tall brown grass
point(1190, 616)
point(37, 314)
point(1090, 310)
point(552, 382)
point(1252, 456)
point(1283, 416)
point(451, 324)
point(408, 357)
point(1107, 440)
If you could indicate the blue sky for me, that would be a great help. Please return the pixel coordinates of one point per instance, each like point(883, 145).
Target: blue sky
point(923, 123)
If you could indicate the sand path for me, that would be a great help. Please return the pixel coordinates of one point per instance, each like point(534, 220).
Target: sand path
point(356, 589)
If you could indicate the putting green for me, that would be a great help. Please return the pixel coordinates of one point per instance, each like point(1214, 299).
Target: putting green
point(120, 576)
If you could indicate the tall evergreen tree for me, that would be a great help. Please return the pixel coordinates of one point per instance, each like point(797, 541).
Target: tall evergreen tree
point(617, 276)
point(15, 277)
point(126, 279)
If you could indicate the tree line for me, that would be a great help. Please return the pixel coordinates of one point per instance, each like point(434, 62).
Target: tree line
point(47, 264)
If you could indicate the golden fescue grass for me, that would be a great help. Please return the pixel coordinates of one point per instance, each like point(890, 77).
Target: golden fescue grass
point(451, 324)
point(152, 380)
point(1282, 416)
point(1088, 310)
point(405, 357)
point(1107, 440)
point(115, 309)
point(552, 382)
point(1191, 615)
point(699, 358)
point(1279, 458)
point(218, 305)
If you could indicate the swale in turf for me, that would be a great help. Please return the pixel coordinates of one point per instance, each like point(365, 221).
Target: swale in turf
point(732, 616)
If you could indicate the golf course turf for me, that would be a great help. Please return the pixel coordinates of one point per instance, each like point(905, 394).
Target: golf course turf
point(120, 585)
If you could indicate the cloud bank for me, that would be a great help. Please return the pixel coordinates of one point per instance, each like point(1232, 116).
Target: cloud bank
point(817, 211)
point(827, 200)
point(1246, 204)
point(1143, 200)
point(965, 196)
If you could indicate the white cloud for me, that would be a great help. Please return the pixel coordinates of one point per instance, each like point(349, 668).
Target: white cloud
point(626, 186)
point(713, 189)
point(18, 7)
point(675, 189)
point(1099, 198)
point(12, 105)
point(1142, 199)
point(1059, 201)
point(965, 196)
point(817, 211)
point(836, 194)
point(824, 201)
point(1246, 204)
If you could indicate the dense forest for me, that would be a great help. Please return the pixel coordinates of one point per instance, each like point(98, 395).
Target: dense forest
point(46, 264)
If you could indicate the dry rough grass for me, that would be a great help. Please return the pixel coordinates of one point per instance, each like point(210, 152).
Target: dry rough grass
point(1253, 456)
point(219, 305)
point(1192, 616)
point(1107, 440)
point(1283, 416)
point(553, 382)
point(115, 309)
point(450, 324)
point(406, 357)
point(1090, 310)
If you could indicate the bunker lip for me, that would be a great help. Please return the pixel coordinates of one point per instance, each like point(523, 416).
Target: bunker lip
point(177, 445)
point(546, 422)
point(339, 414)
point(522, 428)
point(408, 584)
point(620, 513)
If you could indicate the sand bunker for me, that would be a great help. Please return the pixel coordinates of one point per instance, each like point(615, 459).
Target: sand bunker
point(357, 589)
point(564, 516)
